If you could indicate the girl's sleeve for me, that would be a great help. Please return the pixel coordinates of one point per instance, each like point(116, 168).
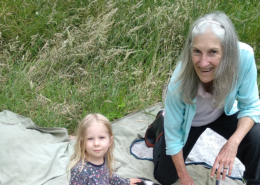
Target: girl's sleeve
point(116, 180)
point(77, 177)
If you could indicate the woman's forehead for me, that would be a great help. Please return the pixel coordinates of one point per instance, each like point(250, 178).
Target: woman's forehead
point(208, 39)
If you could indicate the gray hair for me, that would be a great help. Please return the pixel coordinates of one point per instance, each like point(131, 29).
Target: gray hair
point(226, 73)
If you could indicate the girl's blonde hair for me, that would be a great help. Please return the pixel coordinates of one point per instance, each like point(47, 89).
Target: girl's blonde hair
point(80, 146)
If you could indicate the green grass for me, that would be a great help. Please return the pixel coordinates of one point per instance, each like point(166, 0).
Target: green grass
point(60, 60)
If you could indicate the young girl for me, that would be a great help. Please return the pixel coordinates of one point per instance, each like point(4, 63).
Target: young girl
point(92, 161)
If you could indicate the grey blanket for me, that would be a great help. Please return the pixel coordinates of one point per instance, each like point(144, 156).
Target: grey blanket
point(30, 155)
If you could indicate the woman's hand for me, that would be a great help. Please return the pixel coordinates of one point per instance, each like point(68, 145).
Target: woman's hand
point(227, 154)
point(134, 181)
point(186, 180)
point(225, 160)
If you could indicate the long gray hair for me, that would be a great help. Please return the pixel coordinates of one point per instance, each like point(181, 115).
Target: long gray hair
point(226, 73)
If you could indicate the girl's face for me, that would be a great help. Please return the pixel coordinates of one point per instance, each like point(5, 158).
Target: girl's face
point(206, 56)
point(98, 141)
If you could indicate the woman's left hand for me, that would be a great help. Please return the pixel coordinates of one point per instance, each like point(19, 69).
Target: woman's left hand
point(225, 160)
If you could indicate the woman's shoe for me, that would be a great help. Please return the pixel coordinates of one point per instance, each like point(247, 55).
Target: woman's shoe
point(155, 130)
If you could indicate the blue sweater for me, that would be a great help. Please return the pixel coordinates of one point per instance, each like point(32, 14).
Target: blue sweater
point(244, 98)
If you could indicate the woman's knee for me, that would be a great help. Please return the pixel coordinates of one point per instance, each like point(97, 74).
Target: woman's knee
point(166, 178)
point(253, 136)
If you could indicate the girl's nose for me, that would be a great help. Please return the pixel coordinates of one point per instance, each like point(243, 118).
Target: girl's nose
point(96, 142)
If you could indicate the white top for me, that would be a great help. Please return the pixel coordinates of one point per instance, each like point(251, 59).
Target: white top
point(205, 114)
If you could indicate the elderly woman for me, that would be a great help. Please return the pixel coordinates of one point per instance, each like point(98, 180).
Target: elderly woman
point(213, 86)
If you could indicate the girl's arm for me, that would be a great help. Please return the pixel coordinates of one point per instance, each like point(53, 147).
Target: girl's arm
point(134, 181)
point(115, 180)
point(78, 178)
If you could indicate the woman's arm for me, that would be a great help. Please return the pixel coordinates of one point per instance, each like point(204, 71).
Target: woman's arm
point(248, 105)
point(175, 129)
point(185, 178)
point(247, 94)
point(243, 127)
point(174, 116)
point(227, 154)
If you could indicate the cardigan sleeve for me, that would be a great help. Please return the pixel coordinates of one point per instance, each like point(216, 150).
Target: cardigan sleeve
point(247, 95)
point(174, 117)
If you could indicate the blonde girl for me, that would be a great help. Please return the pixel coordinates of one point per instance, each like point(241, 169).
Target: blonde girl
point(92, 161)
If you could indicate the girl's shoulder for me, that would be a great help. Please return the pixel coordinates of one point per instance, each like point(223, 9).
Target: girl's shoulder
point(79, 166)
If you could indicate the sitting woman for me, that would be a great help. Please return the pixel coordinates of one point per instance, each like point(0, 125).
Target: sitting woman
point(213, 86)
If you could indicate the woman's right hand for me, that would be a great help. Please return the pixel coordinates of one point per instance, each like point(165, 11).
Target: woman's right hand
point(186, 180)
point(184, 177)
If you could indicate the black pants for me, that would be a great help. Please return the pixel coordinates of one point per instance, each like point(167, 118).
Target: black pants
point(248, 150)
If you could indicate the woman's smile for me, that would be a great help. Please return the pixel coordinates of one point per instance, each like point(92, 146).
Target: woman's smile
point(206, 70)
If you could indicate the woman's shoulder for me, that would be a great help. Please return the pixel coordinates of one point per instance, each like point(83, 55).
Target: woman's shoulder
point(245, 48)
point(246, 56)
point(173, 84)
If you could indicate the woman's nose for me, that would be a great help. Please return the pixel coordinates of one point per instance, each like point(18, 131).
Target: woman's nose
point(204, 61)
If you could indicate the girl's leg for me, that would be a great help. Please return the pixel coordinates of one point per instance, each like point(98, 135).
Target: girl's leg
point(248, 150)
point(164, 169)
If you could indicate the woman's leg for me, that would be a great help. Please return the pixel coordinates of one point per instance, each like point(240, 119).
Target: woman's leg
point(164, 169)
point(248, 150)
point(249, 155)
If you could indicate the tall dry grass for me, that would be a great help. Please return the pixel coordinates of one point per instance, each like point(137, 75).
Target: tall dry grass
point(111, 57)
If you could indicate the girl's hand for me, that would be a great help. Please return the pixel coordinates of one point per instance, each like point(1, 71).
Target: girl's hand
point(134, 181)
point(225, 160)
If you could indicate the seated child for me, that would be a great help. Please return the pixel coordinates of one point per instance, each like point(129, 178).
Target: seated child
point(92, 161)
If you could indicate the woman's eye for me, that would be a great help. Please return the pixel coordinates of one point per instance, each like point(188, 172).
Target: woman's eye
point(90, 138)
point(196, 52)
point(213, 52)
point(102, 137)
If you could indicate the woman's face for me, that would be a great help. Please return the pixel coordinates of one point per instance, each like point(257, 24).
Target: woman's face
point(206, 56)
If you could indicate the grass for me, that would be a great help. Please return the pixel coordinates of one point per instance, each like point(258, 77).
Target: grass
point(63, 59)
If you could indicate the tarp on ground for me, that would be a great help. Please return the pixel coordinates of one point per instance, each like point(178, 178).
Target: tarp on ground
point(30, 155)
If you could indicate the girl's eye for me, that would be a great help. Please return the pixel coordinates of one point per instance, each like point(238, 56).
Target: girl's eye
point(102, 137)
point(90, 138)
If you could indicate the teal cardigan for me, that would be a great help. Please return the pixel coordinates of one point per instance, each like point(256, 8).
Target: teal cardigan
point(244, 98)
